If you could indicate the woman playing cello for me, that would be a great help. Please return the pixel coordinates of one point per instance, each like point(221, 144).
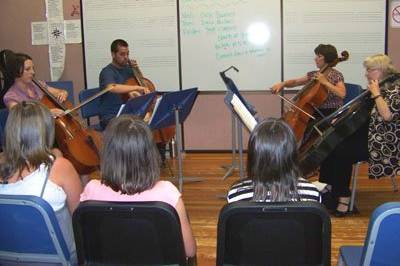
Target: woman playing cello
point(332, 79)
point(377, 141)
point(76, 143)
point(23, 88)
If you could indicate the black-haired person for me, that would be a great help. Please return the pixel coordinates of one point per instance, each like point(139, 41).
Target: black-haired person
point(130, 171)
point(23, 88)
point(272, 170)
point(28, 165)
point(331, 79)
point(116, 74)
point(378, 141)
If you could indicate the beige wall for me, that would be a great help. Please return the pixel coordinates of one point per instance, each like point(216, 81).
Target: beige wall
point(208, 126)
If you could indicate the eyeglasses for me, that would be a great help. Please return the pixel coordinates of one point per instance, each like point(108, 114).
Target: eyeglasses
point(369, 70)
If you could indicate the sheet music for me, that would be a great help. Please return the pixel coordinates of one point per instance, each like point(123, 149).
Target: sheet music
point(158, 100)
point(244, 114)
point(120, 109)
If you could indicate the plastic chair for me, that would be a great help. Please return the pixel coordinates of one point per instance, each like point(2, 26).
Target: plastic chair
point(352, 91)
point(3, 121)
point(128, 233)
point(264, 233)
point(30, 233)
point(382, 243)
point(65, 85)
point(90, 109)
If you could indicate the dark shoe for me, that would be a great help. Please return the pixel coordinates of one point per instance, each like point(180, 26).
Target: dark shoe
point(341, 214)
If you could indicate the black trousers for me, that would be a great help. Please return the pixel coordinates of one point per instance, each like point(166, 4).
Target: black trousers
point(336, 169)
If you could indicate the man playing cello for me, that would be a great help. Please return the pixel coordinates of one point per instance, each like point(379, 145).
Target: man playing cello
point(116, 75)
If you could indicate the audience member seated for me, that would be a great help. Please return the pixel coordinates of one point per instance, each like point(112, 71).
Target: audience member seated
point(28, 165)
point(272, 170)
point(130, 170)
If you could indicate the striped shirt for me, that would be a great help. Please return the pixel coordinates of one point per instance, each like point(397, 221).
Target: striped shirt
point(244, 190)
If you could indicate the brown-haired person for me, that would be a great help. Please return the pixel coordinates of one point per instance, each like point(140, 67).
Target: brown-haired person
point(377, 141)
point(130, 171)
point(116, 75)
point(23, 88)
point(29, 166)
point(332, 79)
point(272, 170)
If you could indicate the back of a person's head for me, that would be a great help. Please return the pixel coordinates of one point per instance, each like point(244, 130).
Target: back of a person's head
point(272, 161)
point(130, 162)
point(29, 137)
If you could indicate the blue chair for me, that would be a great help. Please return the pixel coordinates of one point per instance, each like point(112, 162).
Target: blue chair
point(382, 243)
point(128, 233)
point(90, 109)
point(352, 91)
point(65, 85)
point(265, 233)
point(30, 233)
point(3, 120)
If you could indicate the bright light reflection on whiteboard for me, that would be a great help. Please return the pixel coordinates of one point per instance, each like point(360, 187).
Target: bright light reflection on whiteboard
point(258, 33)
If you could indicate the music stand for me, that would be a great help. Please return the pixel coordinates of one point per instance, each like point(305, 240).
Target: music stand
point(173, 109)
point(235, 125)
point(138, 105)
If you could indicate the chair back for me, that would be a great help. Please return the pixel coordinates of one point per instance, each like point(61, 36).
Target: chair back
point(352, 91)
point(128, 233)
point(264, 233)
point(65, 85)
point(90, 109)
point(3, 121)
point(30, 233)
point(382, 244)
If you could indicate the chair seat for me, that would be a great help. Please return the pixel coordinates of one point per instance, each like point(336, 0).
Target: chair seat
point(351, 255)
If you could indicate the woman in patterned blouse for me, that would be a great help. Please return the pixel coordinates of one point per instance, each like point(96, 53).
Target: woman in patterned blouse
point(332, 79)
point(377, 142)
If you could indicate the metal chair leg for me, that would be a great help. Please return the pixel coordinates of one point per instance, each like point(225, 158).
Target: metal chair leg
point(394, 183)
point(354, 177)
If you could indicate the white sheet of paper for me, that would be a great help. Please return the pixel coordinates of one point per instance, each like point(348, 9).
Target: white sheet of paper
point(57, 59)
point(39, 33)
point(120, 109)
point(56, 32)
point(72, 31)
point(249, 121)
point(395, 14)
point(155, 108)
point(54, 10)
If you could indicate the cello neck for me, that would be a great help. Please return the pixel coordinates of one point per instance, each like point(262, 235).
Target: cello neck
point(49, 95)
point(137, 73)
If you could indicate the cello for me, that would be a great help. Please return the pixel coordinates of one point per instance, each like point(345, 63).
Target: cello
point(78, 144)
point(307, 100)
point(341, 124)
point(163, 135)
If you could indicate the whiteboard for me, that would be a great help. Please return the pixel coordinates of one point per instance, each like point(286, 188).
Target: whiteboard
point(355, 26)
point(212, 35)
point(215, 35)
point(149, 27)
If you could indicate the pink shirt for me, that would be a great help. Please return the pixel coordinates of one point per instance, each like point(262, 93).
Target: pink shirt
point(17, 94)
point(163, 191)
